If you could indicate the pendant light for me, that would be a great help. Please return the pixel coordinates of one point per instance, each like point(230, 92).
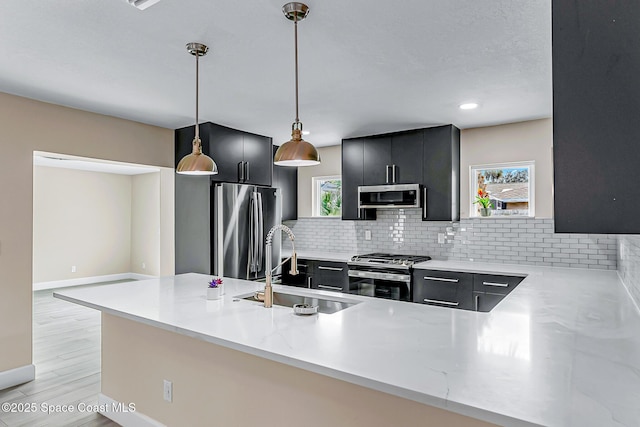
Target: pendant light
point(296, 151)
point(197, 163)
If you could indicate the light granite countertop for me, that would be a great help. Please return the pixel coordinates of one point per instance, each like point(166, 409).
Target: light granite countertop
point(563, 349)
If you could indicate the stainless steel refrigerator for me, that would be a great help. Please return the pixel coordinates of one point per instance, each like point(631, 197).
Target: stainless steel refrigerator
point(242, 215)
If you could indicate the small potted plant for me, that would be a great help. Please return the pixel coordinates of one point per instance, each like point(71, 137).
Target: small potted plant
point(482, 199)
point(214, 291)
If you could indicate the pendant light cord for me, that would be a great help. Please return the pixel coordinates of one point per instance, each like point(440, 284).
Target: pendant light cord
point(197, 92)
point(295, 32)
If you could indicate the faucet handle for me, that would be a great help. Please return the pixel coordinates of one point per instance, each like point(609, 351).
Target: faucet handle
point(294, 265)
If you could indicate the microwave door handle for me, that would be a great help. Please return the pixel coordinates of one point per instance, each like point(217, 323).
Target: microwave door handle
point(424, 203)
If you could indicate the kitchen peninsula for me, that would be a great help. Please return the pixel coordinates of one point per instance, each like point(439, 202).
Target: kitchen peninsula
point(560, 350)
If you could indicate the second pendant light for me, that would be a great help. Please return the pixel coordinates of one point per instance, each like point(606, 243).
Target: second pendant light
point(296, 151)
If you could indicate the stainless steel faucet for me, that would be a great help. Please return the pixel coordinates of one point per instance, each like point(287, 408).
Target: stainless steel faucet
point(268, 290)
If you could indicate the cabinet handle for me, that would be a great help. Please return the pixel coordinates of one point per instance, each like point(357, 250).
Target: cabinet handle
point(441, 279)
point(477, 301)
point(246, 171)
point(302, 265)
point(393, 174)
point(452, 304)
point(329, 268)
point(387, 174)
point(309, 282)
point(333, 288)
point(424, 203)
point(241, 171)
point(502, 285)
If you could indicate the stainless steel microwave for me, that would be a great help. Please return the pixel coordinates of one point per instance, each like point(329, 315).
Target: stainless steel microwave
point(389, 196)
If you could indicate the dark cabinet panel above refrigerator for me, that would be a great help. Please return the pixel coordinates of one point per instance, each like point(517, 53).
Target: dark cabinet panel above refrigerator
point(241, 157)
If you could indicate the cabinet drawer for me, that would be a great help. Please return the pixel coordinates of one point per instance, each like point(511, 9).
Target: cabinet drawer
point(331, 276)
point(447, 289)
point(495, 284)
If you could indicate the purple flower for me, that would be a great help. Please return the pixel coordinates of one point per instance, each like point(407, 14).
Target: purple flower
point(215, 282)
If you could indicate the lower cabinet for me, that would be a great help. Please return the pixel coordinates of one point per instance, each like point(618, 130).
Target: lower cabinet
point(468, 291)
point(304, 277)
point(444, 288)
point(331, 276)
point(314, 274)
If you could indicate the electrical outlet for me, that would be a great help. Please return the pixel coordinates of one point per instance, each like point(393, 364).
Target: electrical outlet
point(73, 268)
point(144, 265)
point(440, 237)
point(168, 391)
point(367, 234)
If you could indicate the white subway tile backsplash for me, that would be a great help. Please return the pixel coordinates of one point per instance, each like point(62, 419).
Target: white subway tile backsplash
point(517, 241)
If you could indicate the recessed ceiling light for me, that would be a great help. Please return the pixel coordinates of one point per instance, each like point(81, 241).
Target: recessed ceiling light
point(142, 4)
point(306, 132)
point(468, 106)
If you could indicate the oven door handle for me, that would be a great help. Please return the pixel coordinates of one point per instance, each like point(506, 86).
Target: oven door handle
point(406, 278)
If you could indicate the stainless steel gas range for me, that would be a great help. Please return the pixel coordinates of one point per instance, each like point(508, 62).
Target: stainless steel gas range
point(383, 275)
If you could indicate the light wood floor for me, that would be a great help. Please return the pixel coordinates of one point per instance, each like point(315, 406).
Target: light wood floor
point(66, 353)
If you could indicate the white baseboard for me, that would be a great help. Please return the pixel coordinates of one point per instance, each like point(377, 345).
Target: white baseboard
point(17, 376)
point(121, 414)
point(88, 280)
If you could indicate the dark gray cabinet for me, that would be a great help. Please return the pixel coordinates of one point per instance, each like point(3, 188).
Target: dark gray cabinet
point(241, 157)
point(443, 288)
point(441, 174)
point(393, 159)
point(286, 179)
point(490, 289)
point(305, 273)
point(352, 178)
point(331, 276)
point(377, 160)
point(596, 58)
point(315, 274)
point(467, 291)
point(429, 157)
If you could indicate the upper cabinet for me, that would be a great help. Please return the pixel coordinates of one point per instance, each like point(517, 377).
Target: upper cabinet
point(441, 173)
point(241, 157)
point(395, 159)
point(286, 179)
point(596, 57)
point(352, 178)
point(429, 157)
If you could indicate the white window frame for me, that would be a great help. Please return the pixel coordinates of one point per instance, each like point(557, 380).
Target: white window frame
point(506, 165)
point(315, 195)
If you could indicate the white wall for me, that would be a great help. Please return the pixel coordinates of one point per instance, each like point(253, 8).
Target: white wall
point(514, 142)
point(80, 219)
point(331, 164)
point(27, 126)
point(145, 224)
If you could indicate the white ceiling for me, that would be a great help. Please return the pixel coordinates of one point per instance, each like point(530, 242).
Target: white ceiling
point(365, 66)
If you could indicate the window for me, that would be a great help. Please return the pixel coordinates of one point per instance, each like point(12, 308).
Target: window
point(510, 187)
point(327, 196)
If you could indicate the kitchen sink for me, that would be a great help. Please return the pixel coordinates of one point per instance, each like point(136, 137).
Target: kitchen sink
point(325, 305)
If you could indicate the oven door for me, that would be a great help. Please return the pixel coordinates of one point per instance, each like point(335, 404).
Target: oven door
point(380, 283)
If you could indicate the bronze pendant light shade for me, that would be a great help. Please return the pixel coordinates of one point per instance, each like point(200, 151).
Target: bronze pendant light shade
point(296, 151)
point(197, 163)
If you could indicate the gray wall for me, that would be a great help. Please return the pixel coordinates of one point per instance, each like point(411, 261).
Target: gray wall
point(629, 264)
point(512, 241)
